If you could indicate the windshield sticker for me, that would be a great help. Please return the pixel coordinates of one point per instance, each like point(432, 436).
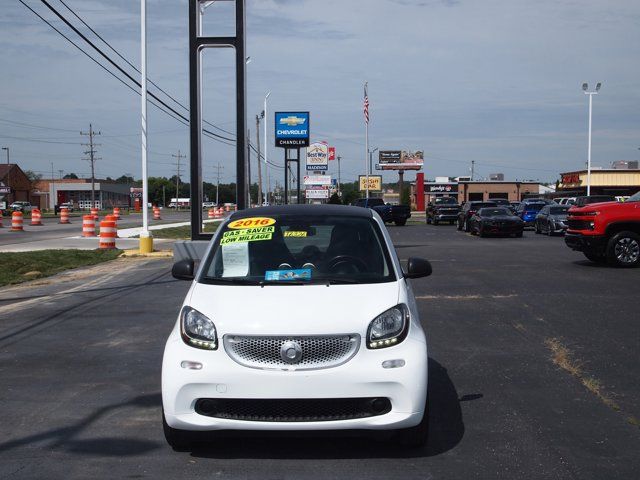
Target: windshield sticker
point(235, 259)
point(252, 222)
point(247, 235)
point(288, 275)
point(292, 233)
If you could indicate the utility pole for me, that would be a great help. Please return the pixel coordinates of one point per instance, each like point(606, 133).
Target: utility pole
point(52, 189)
point(260, 201)
point(339, 192)
point(473, 165)
point(249, 168)
point(178, 157)
point(218, 183)
point(92, 159)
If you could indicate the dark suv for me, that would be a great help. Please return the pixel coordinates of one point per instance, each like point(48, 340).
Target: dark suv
point(468, 210)
point(442, 209)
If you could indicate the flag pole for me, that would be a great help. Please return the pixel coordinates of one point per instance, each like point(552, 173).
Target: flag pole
point(366, 134)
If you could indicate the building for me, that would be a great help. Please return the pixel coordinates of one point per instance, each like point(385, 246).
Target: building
point(15, 185)
point(613, 181)
point(78, 191)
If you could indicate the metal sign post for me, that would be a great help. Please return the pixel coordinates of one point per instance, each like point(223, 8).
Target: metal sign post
point(287, 161)
point(197, 43)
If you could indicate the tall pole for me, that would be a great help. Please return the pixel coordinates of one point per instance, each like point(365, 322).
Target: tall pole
point(259, 168)
point(248, 181)
point(178, 157)
point(92, 159)
point(473, 164)
point(218, 185)
point(339, 192)
point(366, 134)
point(52, 188)
point(266, 149)
point(146, 241)
point(589, 146)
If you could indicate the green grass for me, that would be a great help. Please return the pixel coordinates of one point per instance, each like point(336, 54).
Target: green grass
point(17, 267)
point(180, 233)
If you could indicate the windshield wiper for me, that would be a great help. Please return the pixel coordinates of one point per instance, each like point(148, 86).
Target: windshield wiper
point(262, 283)
point(339, 281)
point(235, 281)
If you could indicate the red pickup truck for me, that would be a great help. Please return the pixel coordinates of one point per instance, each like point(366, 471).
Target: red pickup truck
point(607, 232)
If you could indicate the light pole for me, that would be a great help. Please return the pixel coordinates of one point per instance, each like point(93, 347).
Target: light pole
point(146, 240)
point(371, 152)
point(7, 149)
point(266, 149)
point(585, 89)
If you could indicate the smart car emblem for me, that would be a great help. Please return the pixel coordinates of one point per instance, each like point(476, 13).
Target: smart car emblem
point(291, 352)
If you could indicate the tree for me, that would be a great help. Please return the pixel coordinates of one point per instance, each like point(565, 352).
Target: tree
point(335, 199)
point(33, 176)
point(405, 196)
point(72, 176)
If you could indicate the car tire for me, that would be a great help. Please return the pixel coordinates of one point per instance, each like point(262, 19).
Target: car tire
point(519, 235)
point(435, 222)
point(549, 230)
point(623, 250)
point(481, 232)
point(537, 228)
point(401, 223)
point(594, 257)
point(179, 440)
point(428, 220)
point(414, 437)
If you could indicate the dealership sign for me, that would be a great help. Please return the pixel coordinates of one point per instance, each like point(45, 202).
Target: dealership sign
point(440, 188)
point(317, 193)
point(292, 129)
point(317, 157)
point(324, 180)
point(375, 183)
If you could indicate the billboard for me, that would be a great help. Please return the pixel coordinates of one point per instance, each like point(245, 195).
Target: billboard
point(441, 187)
point(400, 160)
point(317, 157)
point(317, 193)
point(324, 180)
point(292, 129)
point(375, 183)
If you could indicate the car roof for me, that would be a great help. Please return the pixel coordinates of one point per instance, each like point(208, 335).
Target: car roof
point(326, 209)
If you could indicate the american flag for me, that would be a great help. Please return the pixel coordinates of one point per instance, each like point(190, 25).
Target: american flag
point(366, 104)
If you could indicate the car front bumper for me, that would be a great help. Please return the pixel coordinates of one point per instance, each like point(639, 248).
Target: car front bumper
point(586, 243)
point(361, 377)
point(446, 217)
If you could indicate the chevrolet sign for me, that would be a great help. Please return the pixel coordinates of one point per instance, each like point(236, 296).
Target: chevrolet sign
point(292, 129)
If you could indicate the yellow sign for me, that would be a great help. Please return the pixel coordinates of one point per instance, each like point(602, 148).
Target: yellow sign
point(252, 222)
point(375, 183)
point(247, 235)
point(291, 233)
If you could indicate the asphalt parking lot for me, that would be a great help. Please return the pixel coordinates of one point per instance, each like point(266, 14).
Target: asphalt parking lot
point(80, 373)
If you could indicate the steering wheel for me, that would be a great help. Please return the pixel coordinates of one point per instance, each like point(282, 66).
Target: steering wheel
point(352, 263)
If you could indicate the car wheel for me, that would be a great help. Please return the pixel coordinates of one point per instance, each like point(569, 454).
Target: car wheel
point(428, 220)
point(466, 225)
point(414, 437)
point(594, 257)
point(401, 223)
point(537, 228)
point(481, 232)
point(623, 249)
point(519, 234)
point(549, 229)
point(179, 440)
point(435, 221)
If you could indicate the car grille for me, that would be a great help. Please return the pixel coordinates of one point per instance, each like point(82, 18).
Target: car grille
point(316, 351)
point(292, 410)
point(447, 211)
point(579, 224)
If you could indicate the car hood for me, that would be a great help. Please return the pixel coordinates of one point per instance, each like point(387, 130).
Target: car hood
point(293, 309)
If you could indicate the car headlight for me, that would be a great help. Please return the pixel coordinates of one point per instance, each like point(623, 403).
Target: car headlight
point(389, 328)
point(197, 329)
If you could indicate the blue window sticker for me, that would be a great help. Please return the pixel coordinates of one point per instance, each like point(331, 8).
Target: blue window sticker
point(287, 275)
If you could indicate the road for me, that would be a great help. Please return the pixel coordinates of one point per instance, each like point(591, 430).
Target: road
point(80, 371)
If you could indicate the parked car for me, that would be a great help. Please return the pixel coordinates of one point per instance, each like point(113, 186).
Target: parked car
point(503, 202)
point(208, 204)
point(442, 209)
point(20, 207)
point(281, 365)
point(587, 199)
point(495, 221)
point(568, 201)
point(468, 210)
point(398, 214)
point(67, 205)
point(528, 210)
point(607, 232)
point(552, 219)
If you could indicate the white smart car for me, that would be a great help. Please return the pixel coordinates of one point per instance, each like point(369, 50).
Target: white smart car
point(299, 317)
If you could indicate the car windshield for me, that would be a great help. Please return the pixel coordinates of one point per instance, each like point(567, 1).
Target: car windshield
point(295, 249)
point(446, 200)
point(494, 212)
point(634, 198)
point(534, 207)
point(558, 210)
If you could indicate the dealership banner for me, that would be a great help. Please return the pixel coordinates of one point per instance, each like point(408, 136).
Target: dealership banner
point(323, 180)
point(375, 183)
point(317, 157)
point(292, 129)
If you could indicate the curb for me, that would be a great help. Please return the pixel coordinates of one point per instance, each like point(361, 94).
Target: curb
point(134, 252)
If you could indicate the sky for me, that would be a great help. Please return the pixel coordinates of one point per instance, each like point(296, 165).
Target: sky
point(493, 81)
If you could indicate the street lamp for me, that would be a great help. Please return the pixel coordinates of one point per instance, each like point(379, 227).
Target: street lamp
point(266, 149)
point(585, 89)
point(371, 152)
point(7, 149)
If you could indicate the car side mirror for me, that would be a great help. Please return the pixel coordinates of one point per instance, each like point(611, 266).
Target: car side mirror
point(418, 267)
point(183, 270)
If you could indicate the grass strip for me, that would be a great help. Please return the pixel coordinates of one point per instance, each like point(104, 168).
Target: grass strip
point(18, 267)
